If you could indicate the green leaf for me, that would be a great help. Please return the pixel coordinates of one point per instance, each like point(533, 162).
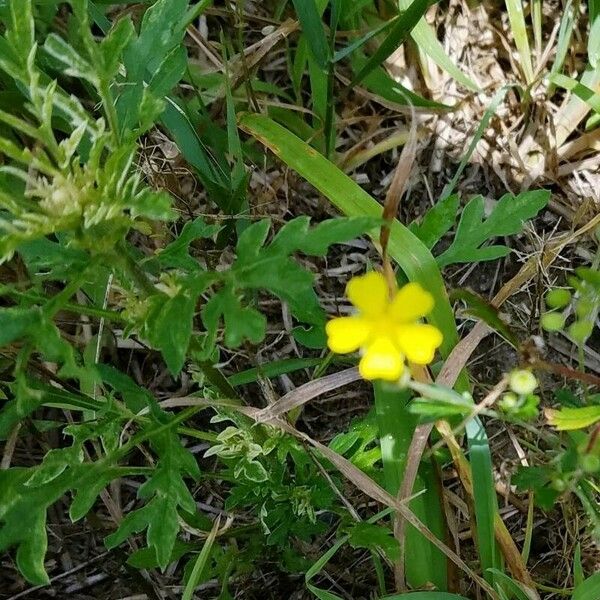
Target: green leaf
point(200, 563)
point(594, 44)
point(21, 505)
point(379, 82)
point(589, 589)
point(582, 91)
point(507, 218)
point(88, 487)
point(484, 498)
point(403, 25)
point(170, 329)
point(162, 29)
point(312, 28)
point(176, 254)
point(273, 369)
point(568, 419)
point(75, 65)
point(437, 221)
point(432, 410)
point(423, 561)
point(509, 585)
point(167, 492)
point(112, 46)
point(482, 309)
point(21, 33)
point(426, 40)
point(145, 558)
point(170, 72)
point(372, 537)
point(519, 31)
point(241, 323)
point(16, 322)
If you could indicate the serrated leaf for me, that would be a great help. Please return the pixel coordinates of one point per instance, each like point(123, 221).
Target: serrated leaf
point(176, 254)
point(241, 323)
point(298, 236)
point(16, 322)
point(251, 470)
point(567, 419)
point(88, 486)
point(161, 30)
point(112, 46)
point(272, 268)
point(170, 329)
point(507, 218)
point(21, 33)
point(437, 221)
point(251, 240)
point(23, 521)
point(54, 464)
point(167, 492)
point(75, 65)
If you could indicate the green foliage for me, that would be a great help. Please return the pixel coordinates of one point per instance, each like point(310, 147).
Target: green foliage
point(474, 229)
point(165, 492)
point(102, 263)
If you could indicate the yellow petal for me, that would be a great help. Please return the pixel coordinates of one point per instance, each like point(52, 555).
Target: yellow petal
point(418, 342)
point(411, 302)
point(369, 293)
point(382, 360)
point(347, 334)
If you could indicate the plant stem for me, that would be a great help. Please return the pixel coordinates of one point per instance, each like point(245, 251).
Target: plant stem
point(424, 562)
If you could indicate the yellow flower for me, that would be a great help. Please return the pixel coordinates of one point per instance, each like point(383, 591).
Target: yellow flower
point(387, 330)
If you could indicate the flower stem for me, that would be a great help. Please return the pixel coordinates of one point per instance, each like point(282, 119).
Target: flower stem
point(424, 563)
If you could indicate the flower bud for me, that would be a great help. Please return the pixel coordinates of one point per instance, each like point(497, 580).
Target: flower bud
point(522, 382)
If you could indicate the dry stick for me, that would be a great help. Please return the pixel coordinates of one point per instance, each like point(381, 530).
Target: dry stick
point(303, 394)
point(394, 195)
point(462, 351)
point(9, 447)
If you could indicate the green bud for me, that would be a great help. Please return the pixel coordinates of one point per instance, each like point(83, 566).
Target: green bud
point(558, 298)
point(560, 485)
point(552, 321)
point(581, 330)
point(509, 401)
point(590, 463)
point(522, 382)
point(584, 307)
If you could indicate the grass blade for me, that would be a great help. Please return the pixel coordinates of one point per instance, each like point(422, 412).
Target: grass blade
point(200, 564)
point(491, 110)
point(519, 30)
point(591, 98)
point(564, 40)
point(425, 38)
point(484, 497)
point(400, 30)
point(424, 562)
point(571, 114)
point(312, 27)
